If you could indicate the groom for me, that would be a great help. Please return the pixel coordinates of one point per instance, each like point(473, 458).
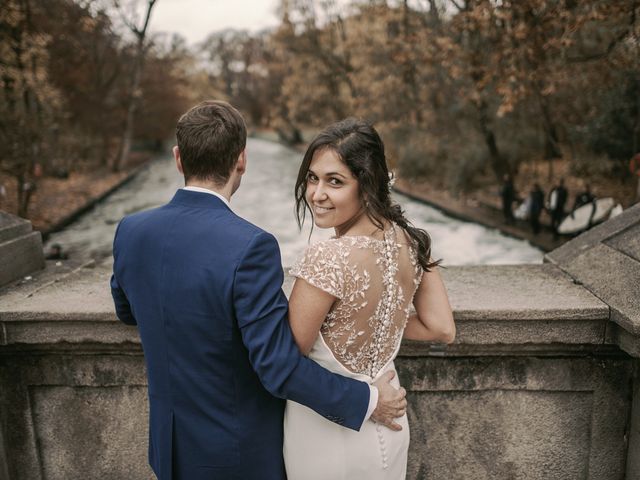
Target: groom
point(204, 288)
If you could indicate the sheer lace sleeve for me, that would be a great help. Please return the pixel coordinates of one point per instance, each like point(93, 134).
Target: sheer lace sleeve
point(320, 266)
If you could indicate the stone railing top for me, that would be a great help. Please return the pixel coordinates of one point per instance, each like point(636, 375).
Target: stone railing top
point(12, 226)
point(493, 292)
point(493, 305)
point(519, 292)
point(20, 248)
point(67, 292)
point(606, 260)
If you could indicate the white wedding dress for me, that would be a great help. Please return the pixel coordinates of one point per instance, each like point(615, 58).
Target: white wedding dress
point(374, 282)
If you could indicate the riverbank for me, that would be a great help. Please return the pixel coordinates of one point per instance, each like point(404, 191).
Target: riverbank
point(57, 202)
point(482, 204)
point(471, 210)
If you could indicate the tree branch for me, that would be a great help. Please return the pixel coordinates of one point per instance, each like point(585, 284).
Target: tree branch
point(460, 8)
point(612, 44)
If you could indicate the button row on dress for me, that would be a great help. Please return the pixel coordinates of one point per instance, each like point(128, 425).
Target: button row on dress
point(383, 449)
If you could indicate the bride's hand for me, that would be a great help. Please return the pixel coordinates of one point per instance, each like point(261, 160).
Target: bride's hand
point(391, 402)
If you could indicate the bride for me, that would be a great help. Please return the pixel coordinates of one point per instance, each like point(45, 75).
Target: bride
point(350, 304)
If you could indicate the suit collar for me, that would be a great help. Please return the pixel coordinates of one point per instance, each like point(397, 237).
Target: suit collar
point(210, 192)
point(198, 200)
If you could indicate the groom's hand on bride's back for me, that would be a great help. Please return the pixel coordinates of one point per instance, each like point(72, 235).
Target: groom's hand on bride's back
point(392, 402)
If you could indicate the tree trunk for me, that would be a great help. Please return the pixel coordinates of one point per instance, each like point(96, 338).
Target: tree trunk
point(134, 94)
point(409, 74)
point(498, 164)
point(635, 148)
point(24, 195)
point(20, 193)
point(104, 149)
point(551, 144)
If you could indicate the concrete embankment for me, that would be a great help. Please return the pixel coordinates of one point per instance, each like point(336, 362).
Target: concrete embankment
point(72, 216)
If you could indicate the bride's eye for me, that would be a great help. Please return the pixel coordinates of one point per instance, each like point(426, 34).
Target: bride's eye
point(334, 182)
point(311, 178)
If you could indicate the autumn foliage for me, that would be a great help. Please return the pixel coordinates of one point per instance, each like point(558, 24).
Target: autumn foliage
point(466, 86)
point(66, 90)
point(460, 89)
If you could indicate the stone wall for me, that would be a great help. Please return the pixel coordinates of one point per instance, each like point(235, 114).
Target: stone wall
point(518, 417)
point(541, 382)
point(20, 248)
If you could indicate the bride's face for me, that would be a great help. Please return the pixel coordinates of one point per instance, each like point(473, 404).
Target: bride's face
point(332, 190)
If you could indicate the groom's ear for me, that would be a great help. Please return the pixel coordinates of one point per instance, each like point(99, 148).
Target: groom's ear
point(176, 155)
point(241, 164)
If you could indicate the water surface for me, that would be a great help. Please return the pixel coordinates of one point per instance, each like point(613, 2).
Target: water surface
point(266, 199)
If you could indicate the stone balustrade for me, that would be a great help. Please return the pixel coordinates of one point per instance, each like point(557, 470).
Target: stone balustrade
point(20, 248)
point(540, 383)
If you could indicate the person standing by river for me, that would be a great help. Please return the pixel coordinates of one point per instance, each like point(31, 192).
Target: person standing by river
point(536, 205)
point(583, 198)
point(508, 195)
point(557, 201)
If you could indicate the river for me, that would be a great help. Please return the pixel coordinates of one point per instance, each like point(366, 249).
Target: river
point(266, 199)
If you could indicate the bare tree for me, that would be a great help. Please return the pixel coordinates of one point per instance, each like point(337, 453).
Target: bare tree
point(140, 33)
point(27, 100)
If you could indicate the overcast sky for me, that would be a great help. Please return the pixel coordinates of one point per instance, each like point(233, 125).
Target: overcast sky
point(195, 19)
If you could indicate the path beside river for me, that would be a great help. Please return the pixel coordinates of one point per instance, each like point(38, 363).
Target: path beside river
point(57, 202)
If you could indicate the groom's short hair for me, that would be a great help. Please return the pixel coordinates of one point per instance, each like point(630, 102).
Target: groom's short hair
point(210, 137)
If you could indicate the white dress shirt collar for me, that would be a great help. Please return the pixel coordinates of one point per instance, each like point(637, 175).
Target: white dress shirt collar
point(210, 192)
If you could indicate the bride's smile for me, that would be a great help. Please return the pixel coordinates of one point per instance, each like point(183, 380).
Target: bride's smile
point(332, 190)
point(318, 210)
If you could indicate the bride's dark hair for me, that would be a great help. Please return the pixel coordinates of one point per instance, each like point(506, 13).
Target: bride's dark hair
point(359, 146)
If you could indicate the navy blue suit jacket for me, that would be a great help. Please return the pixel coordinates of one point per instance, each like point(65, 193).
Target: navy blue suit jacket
point(204, 288)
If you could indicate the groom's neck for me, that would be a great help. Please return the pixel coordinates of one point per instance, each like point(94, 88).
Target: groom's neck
point(225, 190)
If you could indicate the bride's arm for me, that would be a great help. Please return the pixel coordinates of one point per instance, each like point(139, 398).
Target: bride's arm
point(433, 320)
point(308, 308)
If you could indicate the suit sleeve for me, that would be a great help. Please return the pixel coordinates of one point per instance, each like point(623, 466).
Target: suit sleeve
point(123, 308)
point(261, 310)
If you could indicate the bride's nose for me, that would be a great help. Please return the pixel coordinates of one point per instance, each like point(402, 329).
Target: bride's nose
point(318, 193)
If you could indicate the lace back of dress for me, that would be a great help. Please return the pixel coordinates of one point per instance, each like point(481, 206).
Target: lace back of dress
point(364, 327)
